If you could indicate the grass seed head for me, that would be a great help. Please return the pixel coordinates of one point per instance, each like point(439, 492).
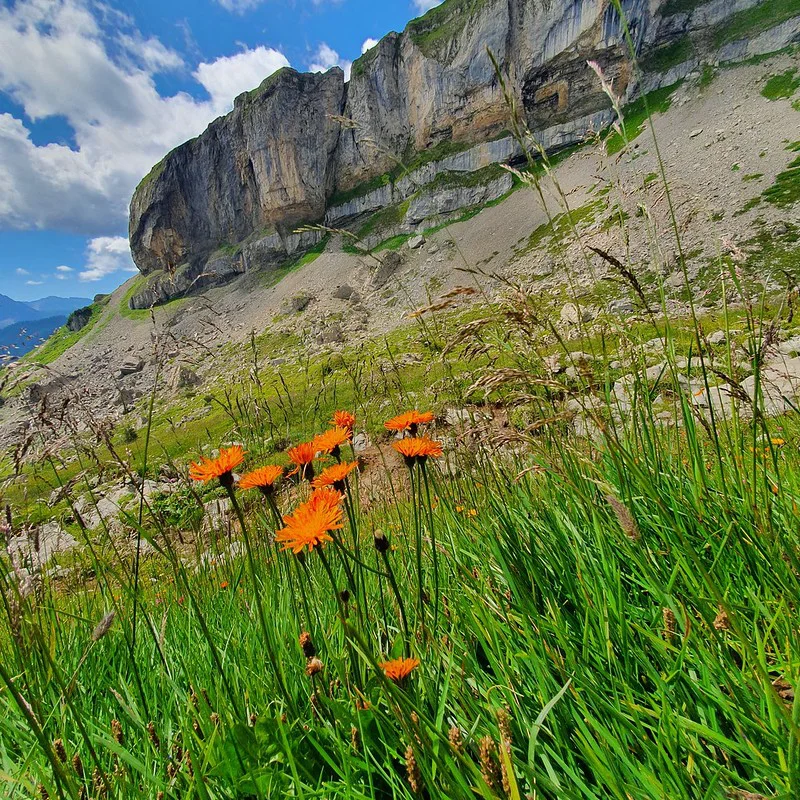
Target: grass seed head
point(412, 771)
point(313, 667)
point(307, 645)
point(488, 762)
point(670, 625)
point(60, 750)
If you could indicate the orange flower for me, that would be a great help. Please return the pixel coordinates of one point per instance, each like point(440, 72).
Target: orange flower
point(263, 478)
point(335, 476)
point(332, 440)
point(325, 499)
point(399, 669)
point(221, 467)
point(224, 585)
point(311, 524)
point(343, 419)
point(409, 421)
point(418, 450)
point(303, 457)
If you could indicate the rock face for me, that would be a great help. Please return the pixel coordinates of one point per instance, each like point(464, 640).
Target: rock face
point(305, 148)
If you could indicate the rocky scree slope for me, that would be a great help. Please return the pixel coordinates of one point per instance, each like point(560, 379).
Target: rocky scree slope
point(307, 148)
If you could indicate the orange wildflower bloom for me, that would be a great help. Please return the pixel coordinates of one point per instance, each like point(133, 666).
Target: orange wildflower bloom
point(311, 524)
point(221, 467)
point(325, 499)
point(418, 449)
point(335, 476)
point(399, 669)
point(409, 421)
point(263, 478)
point(303, 457)
point(343, 419)
point(332, 440)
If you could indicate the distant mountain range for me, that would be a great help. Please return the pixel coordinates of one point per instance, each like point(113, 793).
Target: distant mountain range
point(25, 325)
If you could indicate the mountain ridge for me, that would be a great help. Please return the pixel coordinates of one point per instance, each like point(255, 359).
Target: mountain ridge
point(229, 202)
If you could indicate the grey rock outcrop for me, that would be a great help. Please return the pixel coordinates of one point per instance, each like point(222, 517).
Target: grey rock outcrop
point(79, 319)
point(301, 149)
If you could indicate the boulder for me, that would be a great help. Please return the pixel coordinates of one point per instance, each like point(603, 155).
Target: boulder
point(392, 261)
point(300, 302)
point(572, 314)
point(343, 292)
point(183, 377)
point(130, 366)
point(39, 546)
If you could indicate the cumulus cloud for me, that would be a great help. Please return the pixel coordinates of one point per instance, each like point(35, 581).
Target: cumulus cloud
point(368, 45)
point(326, 58)
point(105, 256)
point(426, 5)
point(21, 271)
point(229, 76)
point(63, 272)
point(59, 58)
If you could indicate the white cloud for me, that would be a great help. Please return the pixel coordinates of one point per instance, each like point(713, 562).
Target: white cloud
point(56, 60)
point(21, 271)
point(62, 268)
point(426, 5)
point(239, 6)
point(229, 76)
point(368, 45)
point(34, 283)
point(326, 58)
point(106, 255)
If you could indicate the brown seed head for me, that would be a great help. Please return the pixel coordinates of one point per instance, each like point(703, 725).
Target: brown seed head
point(488, 762)
point(116, 731)
point(722, 622)
point(670, 624)
point(624, 518)
point(151, 732)
point(214, 719)
point(43, 793)
point(77, 765)
point(309, 651)
point(313, 667)
point(103, 627)
point(355, 738)
point(412, 771)
point(60, 750)
point(454, 736)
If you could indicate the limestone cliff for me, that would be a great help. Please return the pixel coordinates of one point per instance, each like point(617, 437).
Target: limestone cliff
point(303, 148)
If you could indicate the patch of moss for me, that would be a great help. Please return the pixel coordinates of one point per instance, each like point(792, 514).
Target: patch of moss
point(786, 189)
point(465, 180)
point(681, 6)
point(442, 24)
point(755, 20)
point(363, 189)
point(636, 114)
point(559, 227)
point(664, 58)
point(783, 86)
point(756, 176)
point(153, 175)
point(361, 64)
point(383, 220)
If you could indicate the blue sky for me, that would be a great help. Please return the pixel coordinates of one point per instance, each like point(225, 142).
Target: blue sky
point(93, 93)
